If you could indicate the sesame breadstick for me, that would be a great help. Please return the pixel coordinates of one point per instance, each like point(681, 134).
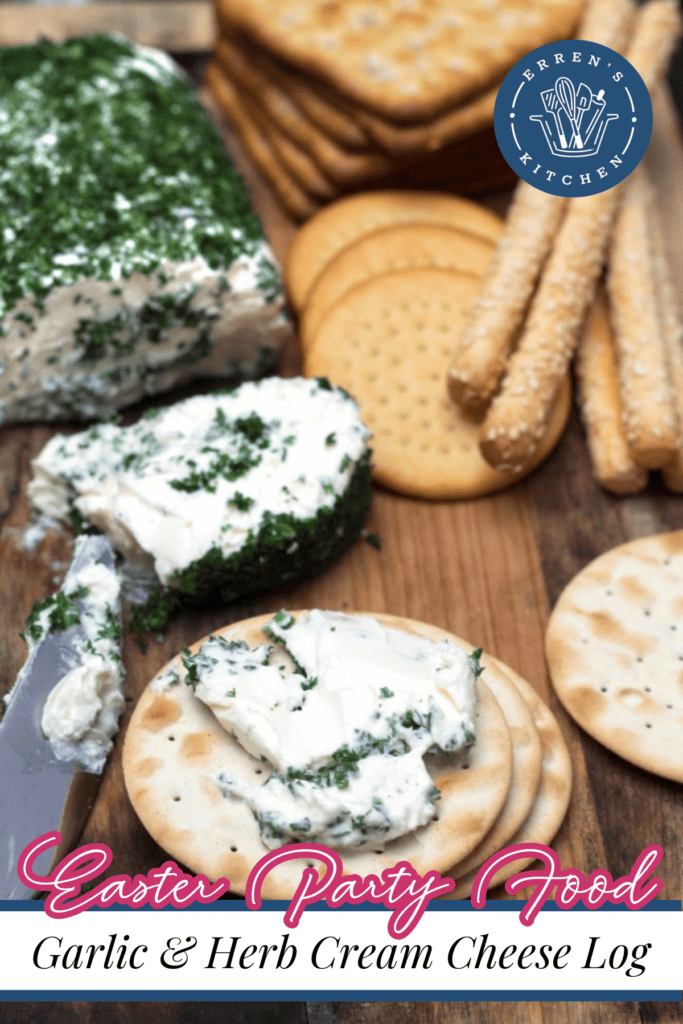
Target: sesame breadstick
point(480, 359)
point(517, 417)
point(672, 332)
point(600, 403)
point(648, 412)
point(493, 319)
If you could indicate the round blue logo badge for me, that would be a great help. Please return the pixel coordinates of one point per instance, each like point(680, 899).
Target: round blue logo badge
point(573, 118)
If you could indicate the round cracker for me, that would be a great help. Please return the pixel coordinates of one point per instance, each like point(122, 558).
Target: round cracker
point(390, 341)
point(552, 798)
point(337, 225)
point(526, 772)
point(615, 652)
point(398, 247)
point(174, 742)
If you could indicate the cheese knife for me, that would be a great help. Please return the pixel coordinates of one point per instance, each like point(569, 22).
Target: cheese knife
point(40, 793)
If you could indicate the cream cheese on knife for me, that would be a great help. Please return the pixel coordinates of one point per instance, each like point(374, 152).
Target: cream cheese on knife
point(81, 714)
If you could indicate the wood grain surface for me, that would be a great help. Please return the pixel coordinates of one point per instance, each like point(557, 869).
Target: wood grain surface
point(180, 25)
point(487, 569)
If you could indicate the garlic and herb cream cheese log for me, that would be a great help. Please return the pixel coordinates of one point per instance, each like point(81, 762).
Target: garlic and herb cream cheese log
point(81, 714)
point(130, 256)
point(222, 494)
point(345, 731)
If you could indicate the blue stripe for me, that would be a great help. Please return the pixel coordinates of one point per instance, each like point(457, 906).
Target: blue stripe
point(307, 995)
point(445, 907)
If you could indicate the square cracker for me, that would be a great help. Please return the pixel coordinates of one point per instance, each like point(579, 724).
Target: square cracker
point(296, 201)
point(405, 59)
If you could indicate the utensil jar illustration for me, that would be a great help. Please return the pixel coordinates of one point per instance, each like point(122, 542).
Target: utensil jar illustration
point(574, 122)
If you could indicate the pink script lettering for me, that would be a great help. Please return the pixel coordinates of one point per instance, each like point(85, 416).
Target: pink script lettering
point(571, 886)
point(400, 889)
point(160, 887)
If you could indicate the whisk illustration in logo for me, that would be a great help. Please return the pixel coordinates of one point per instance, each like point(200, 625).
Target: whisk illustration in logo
point(573, 118)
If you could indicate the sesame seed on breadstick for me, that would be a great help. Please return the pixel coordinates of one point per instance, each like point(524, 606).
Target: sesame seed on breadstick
point(672, 333)
point(648, 411)
point(608, 22)
point(517, 417)
point(480, 359)
point(658, 28)
point(599, 399)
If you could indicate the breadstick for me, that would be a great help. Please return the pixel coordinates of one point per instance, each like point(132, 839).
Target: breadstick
point(518, 415)
point(608, 22)
point(672, 332)
point(493, 319)
point(600, 403)
point(516, 420)
point(648, 413)
point(658, 27)
point(492, 323)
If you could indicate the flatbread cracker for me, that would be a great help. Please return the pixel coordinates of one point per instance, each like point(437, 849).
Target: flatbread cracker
point(174, 742)
point(342, 121)
point(389, 342)
point(341, 223)
point(526, 773)
point(552, 798)
point(615, 652)
point(392, 248)
point(308, 94)
point(457, 123)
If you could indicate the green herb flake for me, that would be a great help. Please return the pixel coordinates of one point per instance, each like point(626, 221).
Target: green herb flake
point(475, 665)
point(63, 613)
point(240, 502)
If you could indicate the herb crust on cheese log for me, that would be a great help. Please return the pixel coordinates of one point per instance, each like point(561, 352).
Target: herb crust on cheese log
point(131, 258)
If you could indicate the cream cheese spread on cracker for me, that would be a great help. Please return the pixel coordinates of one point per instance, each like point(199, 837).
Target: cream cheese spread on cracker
point(345, 710)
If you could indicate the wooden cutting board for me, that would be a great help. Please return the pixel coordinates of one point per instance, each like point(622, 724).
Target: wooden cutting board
point(487, 569)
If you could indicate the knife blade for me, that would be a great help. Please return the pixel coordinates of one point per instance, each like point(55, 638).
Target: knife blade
point(39, 792)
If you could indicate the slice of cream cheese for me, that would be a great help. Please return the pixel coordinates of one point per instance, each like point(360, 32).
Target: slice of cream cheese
point(345, 710)
point(202, 474)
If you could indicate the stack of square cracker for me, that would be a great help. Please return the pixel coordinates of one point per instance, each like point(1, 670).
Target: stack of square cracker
point(332, 96)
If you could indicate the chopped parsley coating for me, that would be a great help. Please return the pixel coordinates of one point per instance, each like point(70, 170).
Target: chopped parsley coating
point(108, 165)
